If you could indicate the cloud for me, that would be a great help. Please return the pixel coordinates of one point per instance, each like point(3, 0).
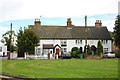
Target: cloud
point(22, 9)
point(3, 30)
point(10, 9)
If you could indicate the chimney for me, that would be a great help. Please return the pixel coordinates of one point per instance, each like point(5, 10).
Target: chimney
point(37, 22)
point(69, 22)
point(98, 23)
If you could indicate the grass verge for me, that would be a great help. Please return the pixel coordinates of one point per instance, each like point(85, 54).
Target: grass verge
point(70, 68)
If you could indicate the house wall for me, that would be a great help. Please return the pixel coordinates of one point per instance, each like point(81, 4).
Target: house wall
point(3, 49)
point(72, 43)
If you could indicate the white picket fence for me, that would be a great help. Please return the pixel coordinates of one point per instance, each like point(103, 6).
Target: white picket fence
point(38, 56)
point(13, 55)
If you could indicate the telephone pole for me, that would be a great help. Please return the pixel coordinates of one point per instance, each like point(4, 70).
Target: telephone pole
point(10, 37)
point(10, 45)
point(85, 30)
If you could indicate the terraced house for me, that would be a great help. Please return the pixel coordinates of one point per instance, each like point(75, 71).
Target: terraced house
point(60, 39)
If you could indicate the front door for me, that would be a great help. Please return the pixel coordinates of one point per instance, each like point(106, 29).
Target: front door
point(57, 51)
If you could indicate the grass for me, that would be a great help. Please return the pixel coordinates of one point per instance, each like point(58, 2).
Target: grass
point(71, 68)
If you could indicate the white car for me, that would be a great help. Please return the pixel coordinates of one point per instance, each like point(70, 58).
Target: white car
point(109, 55)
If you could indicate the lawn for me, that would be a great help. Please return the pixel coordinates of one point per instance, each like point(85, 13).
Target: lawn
point(70, 68)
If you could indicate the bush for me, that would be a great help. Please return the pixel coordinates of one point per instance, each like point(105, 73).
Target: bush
point(88, 48)
point(93, 49)
point(74, 51)
point(80, 51)
point(99, 47)
point(85, 48)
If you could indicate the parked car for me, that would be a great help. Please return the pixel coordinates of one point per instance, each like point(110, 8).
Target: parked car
point(109, 55)
point(65, 55)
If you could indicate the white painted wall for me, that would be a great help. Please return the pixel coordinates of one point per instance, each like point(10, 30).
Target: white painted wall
point(72, 43)
point(108, 45)
point(3, 50)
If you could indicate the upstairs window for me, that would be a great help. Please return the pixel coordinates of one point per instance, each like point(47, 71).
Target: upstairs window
point(104, 41)
point(78, 41)
point(63, 42)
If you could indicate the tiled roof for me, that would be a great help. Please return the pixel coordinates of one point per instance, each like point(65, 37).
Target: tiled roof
point(76, 32)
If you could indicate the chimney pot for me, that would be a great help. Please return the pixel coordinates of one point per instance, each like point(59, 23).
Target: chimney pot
point(37, 22)
point(69, 22)
point(98, 23)
point(69, 19)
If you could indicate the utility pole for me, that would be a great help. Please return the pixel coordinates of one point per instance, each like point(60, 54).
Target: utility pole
point(10, 37)
point(10, 46)
point(85, 30)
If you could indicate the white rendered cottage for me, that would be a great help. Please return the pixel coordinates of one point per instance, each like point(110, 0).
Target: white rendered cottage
point(3, 49)
point(60, 39)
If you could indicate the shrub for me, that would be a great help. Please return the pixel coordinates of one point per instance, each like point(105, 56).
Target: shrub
point(88, 48)
point(80, 51)
point(85, 48)
point(93, 49)
point(74, 51)
point(99, 47)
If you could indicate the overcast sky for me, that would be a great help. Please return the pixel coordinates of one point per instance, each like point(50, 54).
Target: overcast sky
point(20, 9)
point(26, 9)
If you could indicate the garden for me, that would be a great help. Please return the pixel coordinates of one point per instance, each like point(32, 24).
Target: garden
point(88, 52)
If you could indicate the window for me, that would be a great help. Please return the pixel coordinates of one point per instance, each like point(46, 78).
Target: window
point(105, 49)
point(104, 41)
point(46, 51)
point(64, 50)
point(38, 50)
point(78, 41)
point(63, 42)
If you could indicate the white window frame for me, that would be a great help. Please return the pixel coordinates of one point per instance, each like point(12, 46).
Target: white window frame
point(63, 42)
point(78, 41)
point(64, 50)
point(104, 41)
point(105, 49)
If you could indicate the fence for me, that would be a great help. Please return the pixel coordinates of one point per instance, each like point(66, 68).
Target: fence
point(27, 56)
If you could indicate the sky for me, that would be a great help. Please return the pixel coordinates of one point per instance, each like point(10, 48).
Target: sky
point(55, 12)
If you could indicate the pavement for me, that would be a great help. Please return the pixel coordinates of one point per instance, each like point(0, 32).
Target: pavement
point(3, 58)
point(2, 77)
point(12, 77)
point(6, 58)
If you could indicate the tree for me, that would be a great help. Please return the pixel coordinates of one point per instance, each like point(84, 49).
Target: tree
point(88, 48)
point(85, 49)
point(117, 32)
point(99, 47)
point(27, 40)
point(8, 37)
point(80, 51)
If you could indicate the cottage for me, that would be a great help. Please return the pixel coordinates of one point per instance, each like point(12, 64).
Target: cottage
point(60, 39)
point(3, 50)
